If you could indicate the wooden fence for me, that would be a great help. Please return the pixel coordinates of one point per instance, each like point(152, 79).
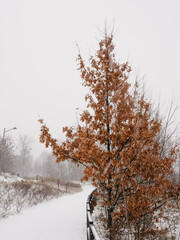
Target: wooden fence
point(38, 178)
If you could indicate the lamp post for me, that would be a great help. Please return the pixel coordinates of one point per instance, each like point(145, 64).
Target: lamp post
point(5, 131)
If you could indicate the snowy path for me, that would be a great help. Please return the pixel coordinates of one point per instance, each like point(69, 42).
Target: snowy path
point(58, 219)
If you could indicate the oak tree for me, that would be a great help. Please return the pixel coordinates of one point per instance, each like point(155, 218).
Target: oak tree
point(119, 146)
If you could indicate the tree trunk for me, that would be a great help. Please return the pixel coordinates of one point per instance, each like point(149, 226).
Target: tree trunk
point(110, 223)
point(109, 214)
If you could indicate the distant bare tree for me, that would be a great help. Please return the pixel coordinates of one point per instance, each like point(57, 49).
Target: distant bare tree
point(24, 159)
point(46, 166)
point(7, 154)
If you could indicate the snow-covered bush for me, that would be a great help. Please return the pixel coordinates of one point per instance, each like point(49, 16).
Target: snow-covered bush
point(16, 196)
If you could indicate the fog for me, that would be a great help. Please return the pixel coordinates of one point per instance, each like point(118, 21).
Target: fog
point(38, 69)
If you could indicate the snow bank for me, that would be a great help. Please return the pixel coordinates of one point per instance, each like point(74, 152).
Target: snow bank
point(9, 178)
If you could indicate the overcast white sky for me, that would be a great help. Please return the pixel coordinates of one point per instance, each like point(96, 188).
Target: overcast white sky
point(38, 76)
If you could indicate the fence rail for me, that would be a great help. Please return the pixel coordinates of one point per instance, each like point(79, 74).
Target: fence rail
point(57, 182)
point(91, 230)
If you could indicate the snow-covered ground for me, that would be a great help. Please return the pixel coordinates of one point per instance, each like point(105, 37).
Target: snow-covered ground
point(59, 219)
point(8, 177)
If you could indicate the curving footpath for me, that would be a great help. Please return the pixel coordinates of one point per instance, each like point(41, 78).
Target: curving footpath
point(58, 219)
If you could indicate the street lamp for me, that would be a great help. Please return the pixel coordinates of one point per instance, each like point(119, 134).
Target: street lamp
point(5, 131)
